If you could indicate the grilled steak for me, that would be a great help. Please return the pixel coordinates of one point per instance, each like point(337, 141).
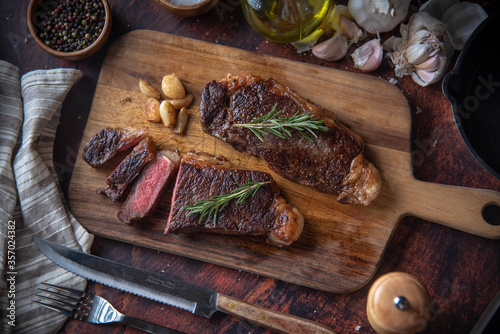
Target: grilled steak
point(266, 213)
point(150, 186)
point(128, 169)
point(106, 143)
point(332, 163)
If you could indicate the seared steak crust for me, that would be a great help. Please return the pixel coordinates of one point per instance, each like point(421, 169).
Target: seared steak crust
point(128, 169)
point(266, 213)
point(325, 164)
point(106, 143)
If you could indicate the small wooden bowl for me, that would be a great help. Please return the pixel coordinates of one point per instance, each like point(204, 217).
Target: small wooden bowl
point(75, 55)
point(197, 8)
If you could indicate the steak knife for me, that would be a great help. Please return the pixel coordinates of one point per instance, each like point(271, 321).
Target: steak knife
point(198, 300)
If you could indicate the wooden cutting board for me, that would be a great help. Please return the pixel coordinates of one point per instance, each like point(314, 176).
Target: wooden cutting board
point(341, 245)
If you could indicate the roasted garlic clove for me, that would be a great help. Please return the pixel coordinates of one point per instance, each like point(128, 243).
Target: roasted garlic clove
point(181, 103)
point(168, 114)
point(181, 122)
point(148, 90)
point(153, 110)
point(172, 87)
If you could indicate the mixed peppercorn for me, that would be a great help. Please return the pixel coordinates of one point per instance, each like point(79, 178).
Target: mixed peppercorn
point(70, 25)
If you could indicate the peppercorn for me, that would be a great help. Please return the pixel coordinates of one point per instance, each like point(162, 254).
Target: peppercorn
point(59, 19)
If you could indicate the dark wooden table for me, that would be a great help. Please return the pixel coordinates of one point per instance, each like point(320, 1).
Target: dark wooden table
point(460, 271)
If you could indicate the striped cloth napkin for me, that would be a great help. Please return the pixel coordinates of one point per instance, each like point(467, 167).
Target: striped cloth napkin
point(31, 201)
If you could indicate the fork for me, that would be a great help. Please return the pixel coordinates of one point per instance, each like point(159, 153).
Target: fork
point(85, 306)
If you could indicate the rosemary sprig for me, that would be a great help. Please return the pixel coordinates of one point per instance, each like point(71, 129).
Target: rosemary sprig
point(211, 207)
point(271, 124)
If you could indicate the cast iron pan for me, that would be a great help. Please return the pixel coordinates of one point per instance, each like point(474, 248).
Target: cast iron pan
point(473, 88)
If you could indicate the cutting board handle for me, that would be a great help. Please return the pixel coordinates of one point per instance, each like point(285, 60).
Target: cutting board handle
point(461, 208)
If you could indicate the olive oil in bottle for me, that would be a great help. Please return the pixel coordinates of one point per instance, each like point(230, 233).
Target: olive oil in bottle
point(285, 20)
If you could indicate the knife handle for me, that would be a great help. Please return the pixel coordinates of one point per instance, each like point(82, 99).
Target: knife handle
point(276, 321)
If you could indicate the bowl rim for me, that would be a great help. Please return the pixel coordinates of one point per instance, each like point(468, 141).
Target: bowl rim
point(89, 50)
point(198, 4)
point(198, 8)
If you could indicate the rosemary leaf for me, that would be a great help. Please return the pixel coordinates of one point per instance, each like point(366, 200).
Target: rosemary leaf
point(210, 208)
point(270, 123)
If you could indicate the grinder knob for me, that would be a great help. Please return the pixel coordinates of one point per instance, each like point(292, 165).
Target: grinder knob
point(398, 303)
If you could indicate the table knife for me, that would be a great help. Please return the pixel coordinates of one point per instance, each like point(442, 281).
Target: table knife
point(198, 300)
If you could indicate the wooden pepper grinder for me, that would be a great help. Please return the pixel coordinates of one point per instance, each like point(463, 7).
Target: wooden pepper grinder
point(398, 304)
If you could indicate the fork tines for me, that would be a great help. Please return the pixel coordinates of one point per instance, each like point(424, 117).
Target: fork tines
point(67, 301)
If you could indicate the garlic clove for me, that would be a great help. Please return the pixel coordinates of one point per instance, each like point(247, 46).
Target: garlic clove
point(461, 20)
point(417, 53)
point(350, 30)
point(332, 49)
point(344, 11)
point(425, 78)
point(428, 77)
point(430, 64)
point(419, 35)
point(378, 15)
point(368, 56)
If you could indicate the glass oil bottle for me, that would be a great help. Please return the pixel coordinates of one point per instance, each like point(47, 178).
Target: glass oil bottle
point(285, 20)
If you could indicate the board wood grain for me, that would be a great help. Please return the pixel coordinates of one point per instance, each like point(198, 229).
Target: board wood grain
point(341, 245)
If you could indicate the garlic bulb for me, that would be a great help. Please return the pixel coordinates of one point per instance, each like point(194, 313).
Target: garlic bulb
point(461, 20)
point(423, 51)
point(332, 49)
point(378, 15)
point(368, 56)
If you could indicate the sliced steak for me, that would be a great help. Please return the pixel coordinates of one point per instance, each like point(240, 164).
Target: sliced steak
point(332, 163)
point(106, 143)
point(150, 186)
point(128, 169)
point(266, 213)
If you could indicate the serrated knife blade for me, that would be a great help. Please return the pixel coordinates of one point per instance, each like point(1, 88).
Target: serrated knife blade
point(198, 300)
point(137, 281)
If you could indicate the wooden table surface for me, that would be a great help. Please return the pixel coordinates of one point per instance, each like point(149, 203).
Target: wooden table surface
point(460, 271)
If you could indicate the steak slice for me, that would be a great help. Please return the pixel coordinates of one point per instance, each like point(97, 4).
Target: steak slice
point(128, 169)
point(106, 143)
point(150, 186)
point(333, 162)
point(266, 213)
